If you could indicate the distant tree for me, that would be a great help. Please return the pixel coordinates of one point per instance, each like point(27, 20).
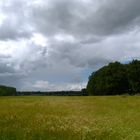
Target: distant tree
point(84, 92)
point(7, 91)
point(109, 80)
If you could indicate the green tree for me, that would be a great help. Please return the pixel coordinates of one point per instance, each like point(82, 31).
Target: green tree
point(109, 80)
point(133, 71)
point(7, 91)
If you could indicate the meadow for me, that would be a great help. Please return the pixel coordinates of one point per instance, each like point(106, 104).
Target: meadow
point(70, 118)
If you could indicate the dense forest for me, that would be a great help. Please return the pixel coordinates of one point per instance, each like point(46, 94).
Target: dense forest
point(115, 79)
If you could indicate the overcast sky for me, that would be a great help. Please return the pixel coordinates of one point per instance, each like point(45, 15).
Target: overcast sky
point(56, 44)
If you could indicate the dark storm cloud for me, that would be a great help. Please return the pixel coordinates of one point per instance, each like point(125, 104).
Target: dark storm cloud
point(116, 17)
point(9, 31)
point(80, 19)
point(4, 68)
point(10, 76)
point(75, 17)
point(78, 34)
point(83, 20)
point(77, 54)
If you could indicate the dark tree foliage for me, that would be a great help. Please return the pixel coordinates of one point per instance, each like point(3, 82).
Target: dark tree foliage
point(53, 93)
point(7, 91)
point(134, 76)
point(109, 80)
point(84, 92)
point(115, 79)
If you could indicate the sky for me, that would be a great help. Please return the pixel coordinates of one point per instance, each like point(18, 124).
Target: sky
point(56, 44)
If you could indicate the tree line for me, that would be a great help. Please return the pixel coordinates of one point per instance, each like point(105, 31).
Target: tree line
point(115, 79)
point(112, 79)
point(52, 93)
point(7, 91)
point(11, 91)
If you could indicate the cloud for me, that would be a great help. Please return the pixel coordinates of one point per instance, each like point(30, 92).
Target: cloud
point(52, 43)
point(9, 75)
point(15, 22)
point(47, 86)
point(82, 19)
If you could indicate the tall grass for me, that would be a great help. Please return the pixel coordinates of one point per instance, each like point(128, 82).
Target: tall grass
point(70, 118)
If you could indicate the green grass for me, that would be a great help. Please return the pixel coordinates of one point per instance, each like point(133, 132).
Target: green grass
point(70, 118)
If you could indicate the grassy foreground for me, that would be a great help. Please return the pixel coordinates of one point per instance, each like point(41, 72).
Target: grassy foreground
point(70, 118)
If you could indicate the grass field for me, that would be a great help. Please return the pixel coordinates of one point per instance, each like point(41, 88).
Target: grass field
point(70, 118)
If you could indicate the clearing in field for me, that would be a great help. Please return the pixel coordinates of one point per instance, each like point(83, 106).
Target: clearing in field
point(70, 118)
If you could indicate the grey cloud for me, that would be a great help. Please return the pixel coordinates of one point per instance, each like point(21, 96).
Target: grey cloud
point(78, 55)
point(15, 24)
point(116, 16)
point(78, 19)
point(15, 80)
point(12, 32)
point(90, 35)
point(94, 55)
point(54, 18)
point(45, 85)
point(71, 17)
point(9, 76)
point(4, 68)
